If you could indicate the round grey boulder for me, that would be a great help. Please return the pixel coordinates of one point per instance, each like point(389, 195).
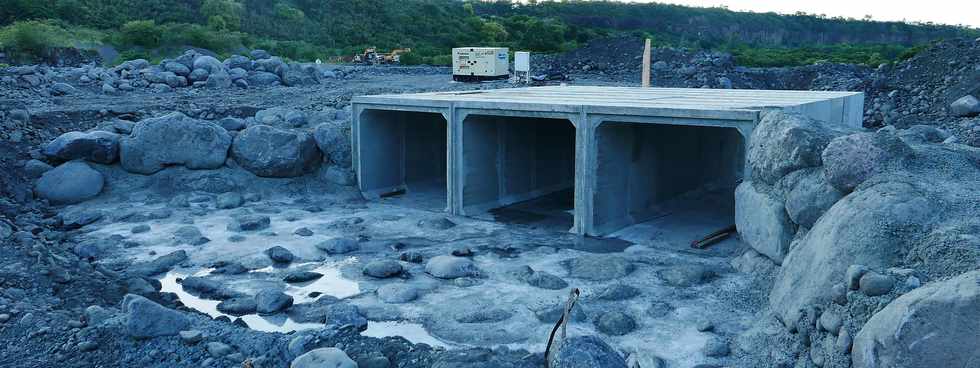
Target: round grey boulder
point(933, 326)
point(339, 245)
point(35, 168)
point(618, 292)
point(249, 223)
point(279, 254)
point(61, 89)
point(239, 306)
point(615, 323)
point(177, 68)
point(586, 352)
point(687, 275)
point(786, 142)
point(174, 139)
point(98, 146)
point(272, 301)
point(238, 61)
point(229, 200)
point(851, 160)
point(810, 198)
point(146, 319)
point(333, 139)
point(397, 293)
point(208, 63)
point(875, 284)
point(72, 182)
point(219, 79)
point(272, 152)
point(323, 358)
point(262, 79)
point(965, 106)
point(198, 75)
point(383, 268)
point(545, 280)
point(449, 267)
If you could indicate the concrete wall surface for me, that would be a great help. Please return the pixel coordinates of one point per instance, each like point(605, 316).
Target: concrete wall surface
point(626, 151)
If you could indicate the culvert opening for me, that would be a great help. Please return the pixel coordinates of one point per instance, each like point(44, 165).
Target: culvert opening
point(519, 170)
point(674, 183)
point(402, 157)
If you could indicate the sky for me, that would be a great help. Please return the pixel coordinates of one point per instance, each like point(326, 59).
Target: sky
point(956, 12)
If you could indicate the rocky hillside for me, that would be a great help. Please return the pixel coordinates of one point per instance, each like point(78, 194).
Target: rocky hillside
point(920, 90)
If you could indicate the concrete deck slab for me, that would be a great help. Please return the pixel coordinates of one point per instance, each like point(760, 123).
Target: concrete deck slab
point(622, 171)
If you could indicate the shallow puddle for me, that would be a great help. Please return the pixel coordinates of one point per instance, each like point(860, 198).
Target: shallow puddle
point(332, 283)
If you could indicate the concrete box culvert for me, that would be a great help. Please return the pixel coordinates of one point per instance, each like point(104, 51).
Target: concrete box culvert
point(506, 160)
point(645, 171)
point(407, 153)
point(624, 154)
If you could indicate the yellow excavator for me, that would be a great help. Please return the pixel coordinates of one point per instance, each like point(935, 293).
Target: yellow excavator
point(373, 57)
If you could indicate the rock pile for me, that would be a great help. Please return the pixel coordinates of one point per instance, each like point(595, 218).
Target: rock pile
point(858, 221)
point(195, 68)
point(275, 143)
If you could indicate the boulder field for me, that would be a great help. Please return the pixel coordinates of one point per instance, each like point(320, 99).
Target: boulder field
point(858, 228)
point(275, 143)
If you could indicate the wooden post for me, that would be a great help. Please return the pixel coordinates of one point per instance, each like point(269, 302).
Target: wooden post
point(646, 64)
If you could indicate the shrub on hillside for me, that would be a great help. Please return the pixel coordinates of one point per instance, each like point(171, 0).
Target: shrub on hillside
point(143, 33)
point(33, 37)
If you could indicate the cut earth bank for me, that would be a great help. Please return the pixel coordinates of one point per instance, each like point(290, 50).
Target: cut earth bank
point(857, 249)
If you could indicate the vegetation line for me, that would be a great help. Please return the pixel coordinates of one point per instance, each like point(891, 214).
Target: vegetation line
point(307, 30)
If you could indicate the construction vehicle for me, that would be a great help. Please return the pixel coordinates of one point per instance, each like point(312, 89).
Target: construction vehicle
point(369, 56)
point(373, 57)
point(394, 57)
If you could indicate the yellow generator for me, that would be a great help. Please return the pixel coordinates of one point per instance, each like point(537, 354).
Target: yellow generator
point(474, 64)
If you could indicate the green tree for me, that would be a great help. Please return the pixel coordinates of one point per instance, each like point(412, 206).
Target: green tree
point(223, 15)
point(143, 33)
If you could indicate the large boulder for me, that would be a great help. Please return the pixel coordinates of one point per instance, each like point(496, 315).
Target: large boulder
point(219, 79)
point(810, 198)
point(238, 61)
point(870, 227)
point(271, 301)
point(852, 159)
point(323, 358)
point(259, 54)
point(263, 79)
point(146, 319)
point(272, 152)
point(208, 63)
point(586, 352)
point(98, 146)
point(965, 106)
point(72, 182)
point(174, 139)
point(273, 65)
point(937, 325)
point(786, 142)
point(339, 245)
point(298, 75)
point(333, 139)
point(762, 221)
point(450, 267)
point(177, 68)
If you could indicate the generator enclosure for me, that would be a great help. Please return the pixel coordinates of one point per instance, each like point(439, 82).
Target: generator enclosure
point(473, 64)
